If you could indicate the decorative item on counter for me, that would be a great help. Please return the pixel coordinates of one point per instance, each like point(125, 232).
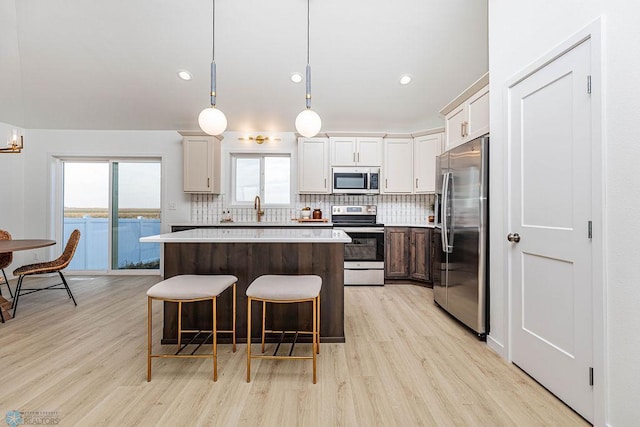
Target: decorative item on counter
point(431, 211)
point(306, 212)
point(226, 216)
point(317, 214)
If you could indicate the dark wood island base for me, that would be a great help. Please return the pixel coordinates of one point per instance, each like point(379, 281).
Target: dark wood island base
point(247, 261)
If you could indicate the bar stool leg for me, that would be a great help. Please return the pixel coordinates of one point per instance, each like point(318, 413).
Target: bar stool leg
point(315, 334)
point(215, 339)
point(149, 311)
point(264, 322)
point(179, 324)
point(319, 327)
point(249, 339)
point(233, 321)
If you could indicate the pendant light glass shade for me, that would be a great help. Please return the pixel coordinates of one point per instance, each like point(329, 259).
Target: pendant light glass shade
point(308, 123)
point(212, 120)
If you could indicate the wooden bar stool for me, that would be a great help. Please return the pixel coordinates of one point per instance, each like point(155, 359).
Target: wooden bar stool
point(192, 288)
point(279, 289)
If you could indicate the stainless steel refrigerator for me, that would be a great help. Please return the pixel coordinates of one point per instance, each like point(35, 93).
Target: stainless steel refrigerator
point(460, 264)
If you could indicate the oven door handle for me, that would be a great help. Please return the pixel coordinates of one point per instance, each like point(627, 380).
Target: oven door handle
point(360, 229)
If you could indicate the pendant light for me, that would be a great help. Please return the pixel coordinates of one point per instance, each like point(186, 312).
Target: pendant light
point(308, 122)
point(212, 120)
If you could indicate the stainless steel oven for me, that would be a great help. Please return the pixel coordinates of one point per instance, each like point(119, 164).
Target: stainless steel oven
point(364, 256)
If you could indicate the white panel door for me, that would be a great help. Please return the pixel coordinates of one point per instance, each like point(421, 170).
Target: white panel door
point(550, 196)
point(398, 166)
point(425, 150)
point(343, 151)
point(313, 165)
point(369, 152)
point(198, 162)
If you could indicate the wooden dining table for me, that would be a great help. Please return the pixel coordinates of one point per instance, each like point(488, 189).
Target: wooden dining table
point(24, 244)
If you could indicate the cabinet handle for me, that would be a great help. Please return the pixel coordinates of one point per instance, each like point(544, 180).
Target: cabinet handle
point(354, 157)
point(325, 182)
point(466, 129)
point(416, 182)
point(358, 157)
point(462, 130)
point(208, 182)
point(386, 184)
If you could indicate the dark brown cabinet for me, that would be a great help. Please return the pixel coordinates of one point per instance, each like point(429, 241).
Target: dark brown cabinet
point(419, 244)
point(396, 252)
point(408, 252)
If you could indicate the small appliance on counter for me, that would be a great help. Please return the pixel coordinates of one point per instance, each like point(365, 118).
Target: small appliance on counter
point(364, 256)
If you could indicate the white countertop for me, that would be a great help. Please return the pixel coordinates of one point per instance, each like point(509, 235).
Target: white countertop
point(251, 235)
point(260, 224)
point(424, 225)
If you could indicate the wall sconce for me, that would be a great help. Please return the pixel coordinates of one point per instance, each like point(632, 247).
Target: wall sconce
point(259, 139)
point(15, 142)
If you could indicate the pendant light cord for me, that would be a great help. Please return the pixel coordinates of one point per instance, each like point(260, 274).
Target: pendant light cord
point(213, 33)
point(308, 31)
point(213, 54)
point(308, 69)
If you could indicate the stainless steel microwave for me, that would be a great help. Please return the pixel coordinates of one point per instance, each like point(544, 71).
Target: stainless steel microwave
point(355, 180)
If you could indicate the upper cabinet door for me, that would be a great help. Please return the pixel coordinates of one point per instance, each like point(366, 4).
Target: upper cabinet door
point(478, 114)
point(398, 166)
point(343, 151)
point(467, 116)
point(313, 166)
point(369, 151)
point(201, 164)
point(455, 123)
point(356, 151)
point(425, 150)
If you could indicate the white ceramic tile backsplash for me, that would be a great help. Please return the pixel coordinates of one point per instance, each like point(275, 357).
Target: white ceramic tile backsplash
point(392, 209)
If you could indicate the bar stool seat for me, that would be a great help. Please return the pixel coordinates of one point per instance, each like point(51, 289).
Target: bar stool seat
point(285, 289)
point(192, 288)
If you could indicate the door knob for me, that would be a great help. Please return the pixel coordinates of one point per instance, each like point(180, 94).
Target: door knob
point(513, 237)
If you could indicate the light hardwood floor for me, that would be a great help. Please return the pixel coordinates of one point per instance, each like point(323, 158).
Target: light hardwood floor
point(405, 363)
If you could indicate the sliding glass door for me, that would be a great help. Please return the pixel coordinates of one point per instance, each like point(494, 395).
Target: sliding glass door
point(113, 203)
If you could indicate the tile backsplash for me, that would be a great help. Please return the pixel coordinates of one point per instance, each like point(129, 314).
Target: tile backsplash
point(392, 209)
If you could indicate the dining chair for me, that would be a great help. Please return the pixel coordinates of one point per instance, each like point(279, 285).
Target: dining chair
point(55, 266)
point(5, 261)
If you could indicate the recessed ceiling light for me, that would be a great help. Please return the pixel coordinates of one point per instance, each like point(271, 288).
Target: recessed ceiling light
point(184, 75)
point(405, 79)
point(296, 77)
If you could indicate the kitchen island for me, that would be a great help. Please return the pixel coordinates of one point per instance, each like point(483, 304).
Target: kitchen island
point(248, 253)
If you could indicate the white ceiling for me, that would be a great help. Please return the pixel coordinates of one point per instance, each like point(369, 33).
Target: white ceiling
point(78, 64)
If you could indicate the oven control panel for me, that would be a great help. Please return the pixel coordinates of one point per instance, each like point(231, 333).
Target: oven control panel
point(354, 210)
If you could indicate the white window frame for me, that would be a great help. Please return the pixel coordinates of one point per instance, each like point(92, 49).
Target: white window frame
point(234, 203)
point(56, 217)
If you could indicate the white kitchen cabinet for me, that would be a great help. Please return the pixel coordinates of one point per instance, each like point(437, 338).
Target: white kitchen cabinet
point(313, 166)
point(397, 171)
point(356, 151)
point(425, 150)
point(467, 116)
point(202, 163)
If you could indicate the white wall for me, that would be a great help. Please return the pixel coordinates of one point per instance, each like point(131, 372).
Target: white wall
point(519, 33)
point(42, 145)
point(11, 191)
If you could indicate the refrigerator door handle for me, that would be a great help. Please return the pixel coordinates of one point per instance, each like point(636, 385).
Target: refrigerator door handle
point(445, 210)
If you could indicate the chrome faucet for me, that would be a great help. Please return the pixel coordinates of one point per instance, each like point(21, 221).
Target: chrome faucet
point(256, 205)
